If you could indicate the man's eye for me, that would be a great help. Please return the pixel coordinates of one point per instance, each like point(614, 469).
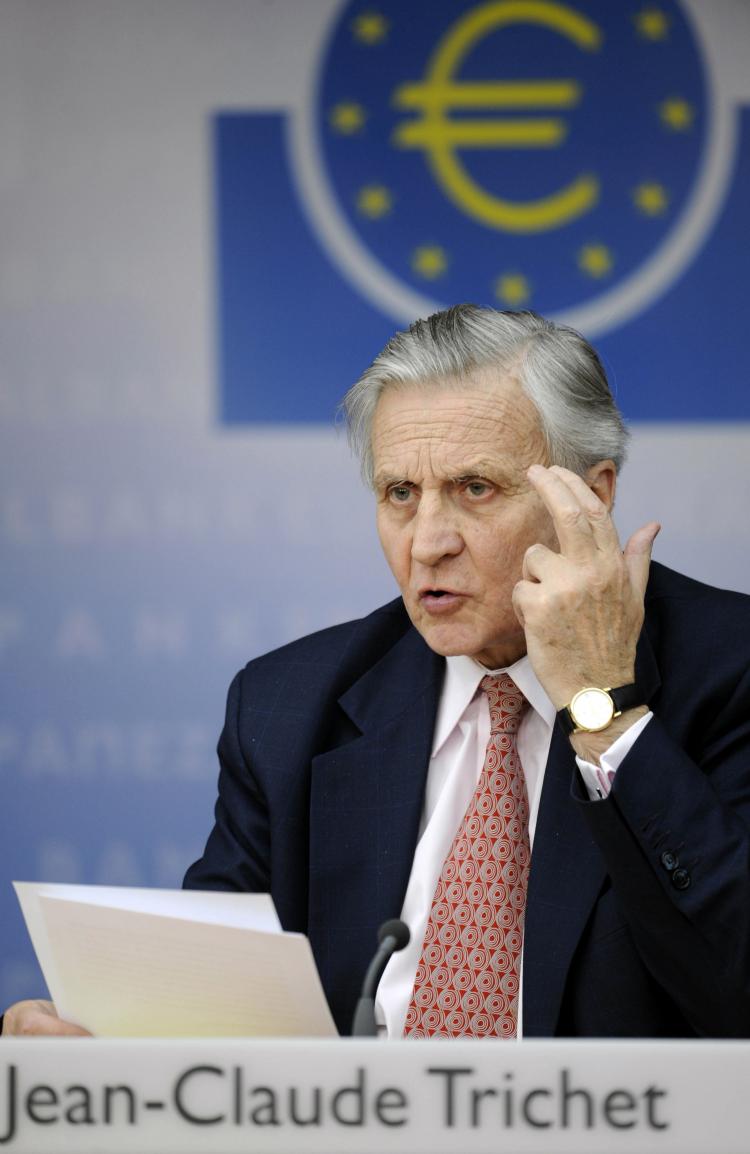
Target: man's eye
point(477, 488)
point(400, 494)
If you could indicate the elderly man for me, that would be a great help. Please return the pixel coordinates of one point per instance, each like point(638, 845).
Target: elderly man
point(539, 756)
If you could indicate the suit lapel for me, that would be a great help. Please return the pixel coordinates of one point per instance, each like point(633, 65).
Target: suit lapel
point(365, 807)
point(567, 872)
point(567, 875)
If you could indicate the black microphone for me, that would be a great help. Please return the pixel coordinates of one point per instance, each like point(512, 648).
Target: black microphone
point(392, 935)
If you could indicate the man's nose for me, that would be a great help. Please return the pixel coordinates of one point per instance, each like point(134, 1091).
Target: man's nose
point(434, 532)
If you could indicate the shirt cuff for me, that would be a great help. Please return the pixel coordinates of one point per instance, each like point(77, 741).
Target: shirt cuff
point(598, 779)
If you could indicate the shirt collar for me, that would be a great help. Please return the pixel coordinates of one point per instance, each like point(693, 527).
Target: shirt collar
point(462, 677)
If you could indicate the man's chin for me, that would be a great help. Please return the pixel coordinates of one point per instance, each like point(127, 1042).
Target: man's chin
point(448, 640)
point(453, 640)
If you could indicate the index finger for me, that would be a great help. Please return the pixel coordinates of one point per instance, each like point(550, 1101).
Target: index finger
point(572, 525)
point(600, 520)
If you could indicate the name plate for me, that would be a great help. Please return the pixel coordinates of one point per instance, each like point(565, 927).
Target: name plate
point(416, 1097)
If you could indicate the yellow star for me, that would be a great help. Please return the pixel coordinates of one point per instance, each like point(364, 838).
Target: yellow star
point(677, 114)
point(652, 24)
point(374, 200)
point(429, 261)
point(347, 118)
point(370, 28)
point(595, 259)
point(513, 289)
point(651, 198)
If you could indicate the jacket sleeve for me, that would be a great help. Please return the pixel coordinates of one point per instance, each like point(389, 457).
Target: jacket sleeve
point(675, 835)
point(237, 852)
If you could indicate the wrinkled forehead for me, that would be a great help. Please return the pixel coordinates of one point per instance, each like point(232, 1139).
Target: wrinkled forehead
point(452, 425)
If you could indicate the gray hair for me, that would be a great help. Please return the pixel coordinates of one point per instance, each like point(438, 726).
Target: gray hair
point(556, 367)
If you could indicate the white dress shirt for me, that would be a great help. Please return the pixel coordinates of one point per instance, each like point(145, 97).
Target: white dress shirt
point(462, 730)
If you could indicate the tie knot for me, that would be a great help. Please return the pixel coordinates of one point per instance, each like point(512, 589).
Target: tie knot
point(507, 703)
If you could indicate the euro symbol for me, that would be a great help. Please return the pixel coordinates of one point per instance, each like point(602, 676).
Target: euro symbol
point(441, 93)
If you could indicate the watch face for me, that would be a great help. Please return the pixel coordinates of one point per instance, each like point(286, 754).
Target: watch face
point(592, 709)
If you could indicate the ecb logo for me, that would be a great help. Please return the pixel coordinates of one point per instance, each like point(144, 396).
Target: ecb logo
point(565, 157)
point(575, 157)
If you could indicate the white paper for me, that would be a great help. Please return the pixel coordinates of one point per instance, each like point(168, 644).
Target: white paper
point(160, 963)
point(250, 911)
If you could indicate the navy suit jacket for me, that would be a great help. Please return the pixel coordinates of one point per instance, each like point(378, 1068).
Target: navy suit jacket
point(638, 913)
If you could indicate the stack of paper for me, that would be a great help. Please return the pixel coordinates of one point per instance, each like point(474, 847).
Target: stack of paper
point(173, 963)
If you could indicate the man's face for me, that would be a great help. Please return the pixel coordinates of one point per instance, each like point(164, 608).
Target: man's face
point(455, 511)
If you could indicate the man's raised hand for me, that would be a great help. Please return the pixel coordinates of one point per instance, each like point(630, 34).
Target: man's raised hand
point(582, 608)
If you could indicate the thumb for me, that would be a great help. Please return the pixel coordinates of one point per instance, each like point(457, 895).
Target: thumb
point(637, 553)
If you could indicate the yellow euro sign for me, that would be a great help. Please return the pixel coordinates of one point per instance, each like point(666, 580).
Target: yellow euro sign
point(441, 93)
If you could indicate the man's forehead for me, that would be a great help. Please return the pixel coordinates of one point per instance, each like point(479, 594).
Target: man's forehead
point(467, 426)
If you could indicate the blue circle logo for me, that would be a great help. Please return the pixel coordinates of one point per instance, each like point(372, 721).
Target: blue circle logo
point(520, 153)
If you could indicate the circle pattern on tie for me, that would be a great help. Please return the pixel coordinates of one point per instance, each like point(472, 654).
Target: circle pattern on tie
point(468, 977)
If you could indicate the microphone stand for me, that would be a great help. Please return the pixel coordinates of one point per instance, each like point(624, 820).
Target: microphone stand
point(393, 936)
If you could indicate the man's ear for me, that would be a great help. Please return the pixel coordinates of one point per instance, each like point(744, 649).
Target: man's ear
point(602, 478)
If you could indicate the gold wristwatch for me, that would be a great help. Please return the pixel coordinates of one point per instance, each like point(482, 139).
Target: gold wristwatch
point(591, 710)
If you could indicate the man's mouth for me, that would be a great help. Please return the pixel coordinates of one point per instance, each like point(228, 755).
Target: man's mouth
point(440, 600)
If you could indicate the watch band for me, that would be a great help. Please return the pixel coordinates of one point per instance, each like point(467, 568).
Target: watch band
point(623, 697)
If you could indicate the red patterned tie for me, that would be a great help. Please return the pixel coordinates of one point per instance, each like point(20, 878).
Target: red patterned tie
point(468, 977)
